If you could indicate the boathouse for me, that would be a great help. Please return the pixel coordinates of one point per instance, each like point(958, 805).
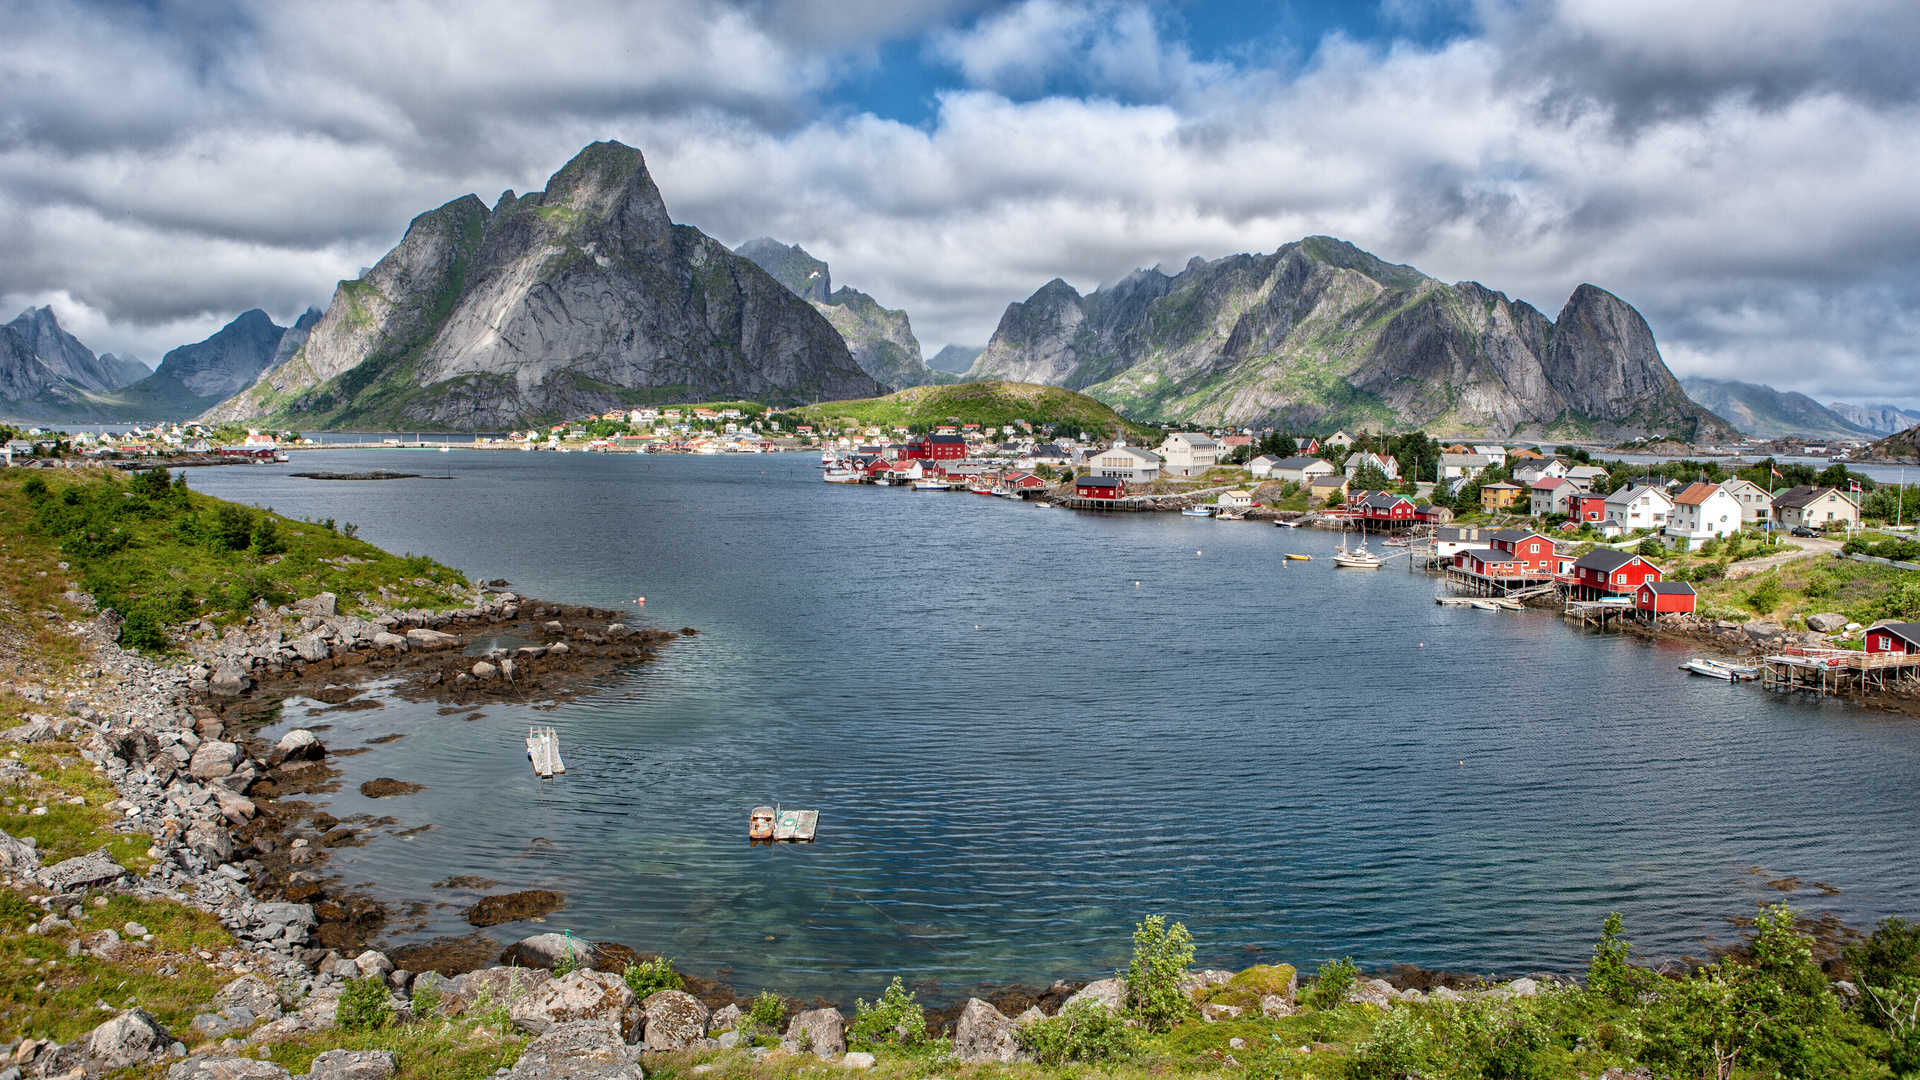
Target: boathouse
point(1099, 487)
point(1387, 510)
point(1655, 598)
point(1606, 572)
point(1530, 551)
point(1894, 637)
point(937, 447)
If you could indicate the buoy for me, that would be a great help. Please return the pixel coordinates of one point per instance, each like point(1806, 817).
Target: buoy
point(1136, 584)
point(1196, 553)
point(641, 600)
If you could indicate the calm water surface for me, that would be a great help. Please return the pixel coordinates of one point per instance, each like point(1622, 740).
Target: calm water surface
point(1025, 729)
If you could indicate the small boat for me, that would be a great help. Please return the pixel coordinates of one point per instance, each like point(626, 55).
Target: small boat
point(1715, 669)
point(1396, 543)
point(1230, 515)
point(1300, 558)
point(760, 823)
point(1484, 605)
point(931, 485)
point(1196, 511)
point(844, 476)
point(1281, 523)
point(976, 489)
point(1007, 494)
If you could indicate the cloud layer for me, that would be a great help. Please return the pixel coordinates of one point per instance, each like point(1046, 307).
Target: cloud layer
point(1741, 173)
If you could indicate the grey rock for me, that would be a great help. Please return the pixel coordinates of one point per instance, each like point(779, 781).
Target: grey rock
point(1275, 1007)
point(823, 1031)
point(300, 745)
point(82, 872)
point(229, 678)
point(982, 1034)
point(128, 1039)
point(373, 962)
point(1372, 992)
point(210, 842)
point(582, 1050)
point(17, 855)
point(325, 605)
point(1761, 631)
point(1212, 1011)
point(311, 648)
point(484, 671)
point(226, 1068)
point(1826, 622)
point(501, 985)
point(1111, 993)
point(1443, 993)
point(547, 951)
point(1522, 988)
point(32, 731)
point(385, 640)
point(224, 364)
point(220, 1025)
point(431, 639)
point(857, 1059)
point(724, 1019)
point(579, 995)
point(675, 1020)
point(353, 1065)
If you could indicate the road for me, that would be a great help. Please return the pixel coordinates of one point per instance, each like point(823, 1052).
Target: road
point(1809, 547)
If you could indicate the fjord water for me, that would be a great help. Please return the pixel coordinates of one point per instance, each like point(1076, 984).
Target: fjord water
point(1025, 729)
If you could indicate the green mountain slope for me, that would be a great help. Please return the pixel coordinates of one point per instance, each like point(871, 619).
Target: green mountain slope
point(994, 402)
point(1769, 413)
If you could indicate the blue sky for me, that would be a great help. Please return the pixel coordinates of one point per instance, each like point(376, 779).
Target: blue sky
point(1741, 171)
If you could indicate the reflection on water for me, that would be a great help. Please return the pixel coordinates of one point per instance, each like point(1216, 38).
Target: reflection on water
point(1025, 729)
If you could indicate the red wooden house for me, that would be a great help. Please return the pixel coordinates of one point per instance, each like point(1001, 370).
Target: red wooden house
point(1894, 637)
point(1613, 573)
point(937, 447)
point(1023, 481)
point(1662, 597)
point(1099, 487)
point(1384, 508)
point(1586, 507)
point(1531, 552)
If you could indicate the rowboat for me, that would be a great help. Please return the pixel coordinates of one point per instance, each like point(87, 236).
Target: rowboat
point(1484, 605)
point(1300, 558)
point(1196, 511)
point(1230, 515)
point(1715, 669)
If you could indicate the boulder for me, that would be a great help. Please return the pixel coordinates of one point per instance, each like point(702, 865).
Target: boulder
point(677, 1020)
point(128, 1039)
point(983, 1034)
point(18, 855)
point(725, 1019)
point(1444, 993)
point(1372, 992)
point(84, 871)
point(227, 1068)
point(325, 604)
point(858, 1059)
point(558, 648)
point(30, 732)
point(1275, 1007)
point(229, 678)
point(484, 671)
point(501, 985)
point(213, 758)
point(1212, 1012)
point(431, 639)
point(1826, 622)
point(823, 1031)
point(311, 648)
point(210, 842)
point(300, 745)
point(1111, 993)
point(546, 951)
point(579, 995)
point(1268, 980)
point(1203, 980)
point(582, 1050)
point(389, 640)
point(1522, 988)
point(373, 962)
point(1762, 631)
point(352, 1065)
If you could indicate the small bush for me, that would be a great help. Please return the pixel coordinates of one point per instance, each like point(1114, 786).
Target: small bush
point(1711, 547)
point(893, 1020)
point(1607, 973)
point(426, 994)
point(1161, 956)
point(265, 539)
point(143, 631)
point(652, 976)
point(1083, 1031)
point(232, 528)
point(766, 1010)
point(1330, 988)
point(364, 1005)
point(1764, 597)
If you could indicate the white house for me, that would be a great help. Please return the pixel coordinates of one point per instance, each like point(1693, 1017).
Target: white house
point(1529, 471)
point(1186, 453)
point(1549, 495)
point(1458, 467)
point(1338, 438)
point(1262, 466)
point(1235, 498)
point(1814, 507)
point(1756, 505)
point(1365, 458)
point(1637, 506)
point(1583, 476)
point(1300, 470)
point(1703, 511)
point(1129, 463)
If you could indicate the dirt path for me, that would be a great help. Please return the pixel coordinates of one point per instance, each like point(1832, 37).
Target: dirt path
point(1808, 547)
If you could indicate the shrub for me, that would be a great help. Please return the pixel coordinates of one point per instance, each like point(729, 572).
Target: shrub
point(265, 538)
point(232, 528)
point(652, 976)
point(766, 1010)
point(1711, 546)
point(1608, 973)
point(364, 1005)
point(1330, 988)
point(143, 631)
point(35, 489)
point(895, 1019)
point(1161, 956)
point(1764, 597)
point(426, 994)
point(1902, 601)
point(1083, 1031)
point(1650, 547)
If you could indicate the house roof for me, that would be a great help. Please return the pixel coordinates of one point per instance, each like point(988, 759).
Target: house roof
point(1695, 494)
point(1384, 500)
point(1803, 495)
point(1457, 533)
point(1486, 554)
point(1300, 463)
point(1134, 452)
point(1333, 481)
point(1193, 439)
point(1268, 458)
point(1605, 560)
point(1588, 471)
point(1098, 481)
point(1630, 492)
point(1515, 535)
point(1501, 486)
point(1669, 588)
point(1548, 483)
point(1905, 631)
point(1471, 460)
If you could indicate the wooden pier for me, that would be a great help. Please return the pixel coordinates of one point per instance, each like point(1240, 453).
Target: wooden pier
point(1599, 613)
point(543, 749)
point(1836, 671)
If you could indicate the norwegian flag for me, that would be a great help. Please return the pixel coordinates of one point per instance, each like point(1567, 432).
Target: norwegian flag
point(1777, 473)
point(1853, 485)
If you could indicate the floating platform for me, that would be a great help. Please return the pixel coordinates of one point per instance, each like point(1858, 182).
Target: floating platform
point(798, 826)
point(543, 749)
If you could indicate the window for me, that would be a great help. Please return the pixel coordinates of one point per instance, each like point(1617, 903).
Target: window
point(1619, 579)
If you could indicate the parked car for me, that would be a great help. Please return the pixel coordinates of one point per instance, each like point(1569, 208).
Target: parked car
point(1802, 530)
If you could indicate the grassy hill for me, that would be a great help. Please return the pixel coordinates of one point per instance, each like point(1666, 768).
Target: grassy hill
point(992, 402)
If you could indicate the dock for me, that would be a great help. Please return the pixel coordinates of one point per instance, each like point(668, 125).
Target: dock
point(543, 749)
point(797, 826)
point(1599, 612)
point(1836, 671)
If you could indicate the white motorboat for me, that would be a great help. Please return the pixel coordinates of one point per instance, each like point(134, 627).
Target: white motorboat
point(1715, 669)
point(1484, 605)
point(1357, 559)
point(844, 476)
point(931, 485)
point(1197, 511)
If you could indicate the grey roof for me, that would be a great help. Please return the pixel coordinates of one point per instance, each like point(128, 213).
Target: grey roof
point(1330, 480)
point(1672, 588)
point(1481, 460)
point(1516, 534)
point(1193, 438)
point(1905, 631)
point(1803, 495)
point(1099, 481)
point(1300, 463)
point(1605, 559)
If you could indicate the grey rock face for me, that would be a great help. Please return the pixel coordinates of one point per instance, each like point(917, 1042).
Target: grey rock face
point(583, 1050)
point(547, 950)
point(17, 855)
point(23, 375)
point(83, 872)
point(1878, 419)
point(1826, 622)
point(982, 1033)
point(791, 266)
point(353, 1065)
point(227, 1068)
point(61, 352)
point(128, 1039)
point(1111, 993)
point(542, 303)
point(580, 995)
point(228, 361)
point(676, 1020)
point(823, 1031)
point(956, 359)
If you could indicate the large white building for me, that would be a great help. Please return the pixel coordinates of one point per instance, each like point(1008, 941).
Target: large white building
point(1702, 512)
point(1638, 506)
point(1187, 453)
point(1300, 470)
point(1365, 458)
point(1128, 463)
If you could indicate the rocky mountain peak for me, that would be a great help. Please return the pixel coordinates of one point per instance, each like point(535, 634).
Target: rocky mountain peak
point(63, 354)
point(806, 276)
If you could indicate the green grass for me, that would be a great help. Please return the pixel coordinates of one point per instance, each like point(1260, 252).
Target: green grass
point(993, 402)
point(424, 1050)
point(66, 830)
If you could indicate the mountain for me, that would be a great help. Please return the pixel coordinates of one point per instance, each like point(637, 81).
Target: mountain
point(66, 357)
point(126, 369)
point(880, 339)
point(24, 377)
point(992, 402)
point(194, 378)
point(1875, 419)
point(1902, 448)
point(579, 298)
point(1769, 413)
point(1322, 334)
point(956, 358)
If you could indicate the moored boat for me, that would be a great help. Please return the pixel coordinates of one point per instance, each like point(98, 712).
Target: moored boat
point(1196, 511)
point(844, 476)
point(1715, 669)
point(1300, 558)
point(1357, 559)
point(931, 485)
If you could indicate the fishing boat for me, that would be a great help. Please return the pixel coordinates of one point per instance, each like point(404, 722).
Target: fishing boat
point(1299, 558)
point(932, 485)
point(1282, 523)
point(1007, 493)
point(1357, 559)
point(979, 489)
point(1230, 515)
point(1715, 669)
point(1197, 511)
point(760, 823)
point(843, 476)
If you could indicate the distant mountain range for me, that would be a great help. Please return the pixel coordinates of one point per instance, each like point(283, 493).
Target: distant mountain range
point(47, 374)
point(880, 339)
point(1772, 414)
point(1321, 334)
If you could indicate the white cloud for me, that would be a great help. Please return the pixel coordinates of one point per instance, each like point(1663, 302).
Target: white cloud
point(1719, 166)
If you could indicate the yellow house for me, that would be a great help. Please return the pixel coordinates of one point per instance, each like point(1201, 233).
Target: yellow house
point(1500, 496)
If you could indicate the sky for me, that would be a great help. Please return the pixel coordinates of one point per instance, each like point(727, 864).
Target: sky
point(1741, 171)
